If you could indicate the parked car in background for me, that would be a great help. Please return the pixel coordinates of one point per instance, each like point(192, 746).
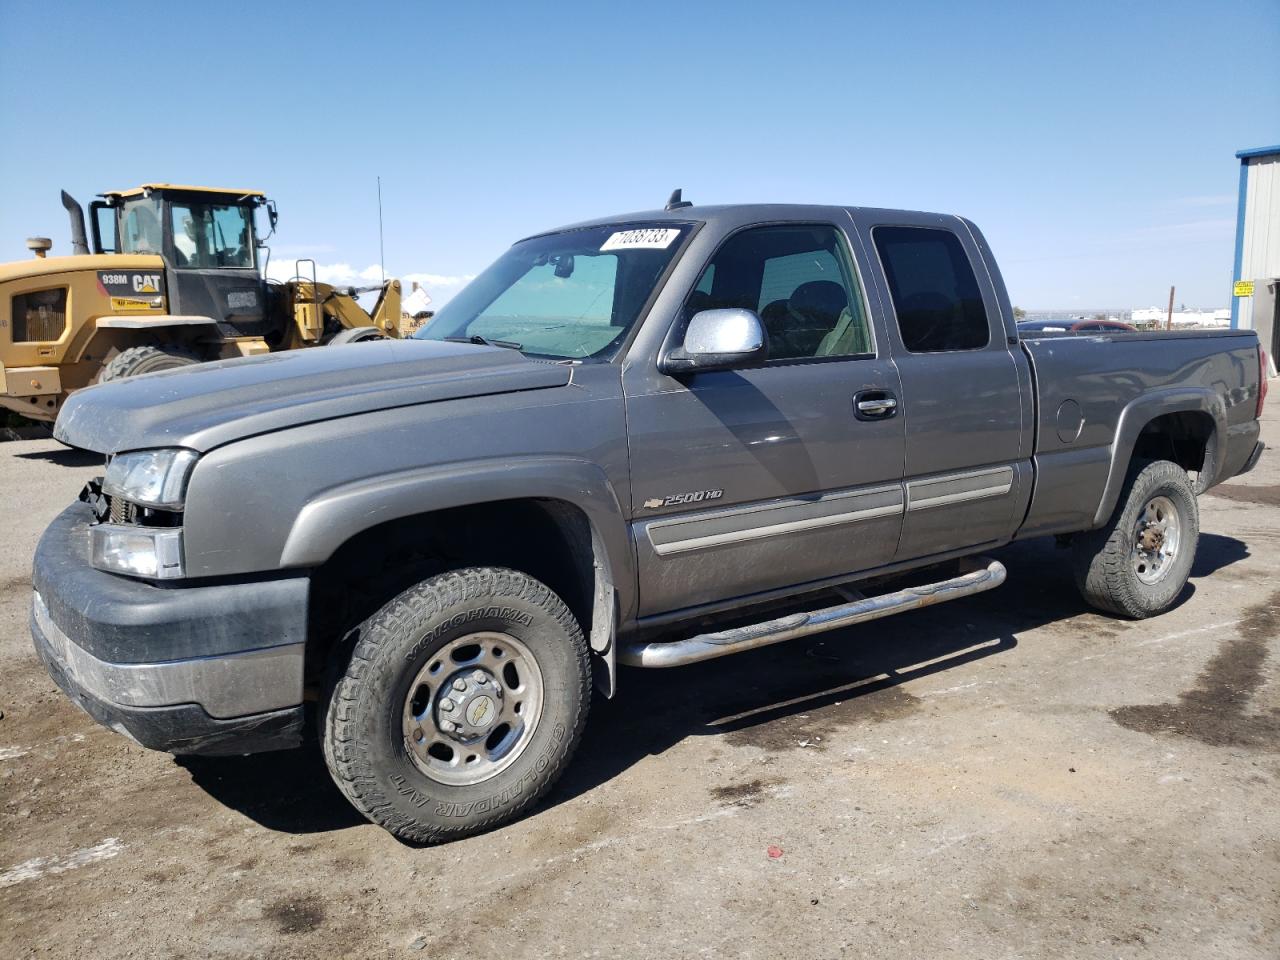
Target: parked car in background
point(1074, 326)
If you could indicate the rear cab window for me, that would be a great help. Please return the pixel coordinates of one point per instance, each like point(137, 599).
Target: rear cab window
point(935, 293)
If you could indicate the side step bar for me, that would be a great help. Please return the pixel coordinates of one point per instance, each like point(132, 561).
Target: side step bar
point(707, 646)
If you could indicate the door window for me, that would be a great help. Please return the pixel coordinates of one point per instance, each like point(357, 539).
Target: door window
point(934, 290)
point(799, 280)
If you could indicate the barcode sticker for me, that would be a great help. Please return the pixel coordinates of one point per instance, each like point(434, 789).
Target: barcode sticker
point(649, 238)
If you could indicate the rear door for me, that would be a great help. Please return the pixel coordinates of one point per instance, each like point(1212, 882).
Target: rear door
point(750, 480)
point(966, 394)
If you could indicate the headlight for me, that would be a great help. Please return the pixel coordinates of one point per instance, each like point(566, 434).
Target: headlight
point(152, 478)
point(154, 552)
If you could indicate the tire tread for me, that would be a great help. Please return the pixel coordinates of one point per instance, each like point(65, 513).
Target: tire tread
point(348, 757)
point(1101, 558)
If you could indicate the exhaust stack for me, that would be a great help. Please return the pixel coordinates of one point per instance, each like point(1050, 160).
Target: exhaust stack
point(79, 242)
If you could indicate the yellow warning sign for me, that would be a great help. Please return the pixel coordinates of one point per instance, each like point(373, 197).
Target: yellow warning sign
point(1243, 288)
point(133, 303)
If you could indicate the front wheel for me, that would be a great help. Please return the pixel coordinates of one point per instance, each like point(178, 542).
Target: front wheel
point(136, 361)
point(461, 705)
point(1138, 563)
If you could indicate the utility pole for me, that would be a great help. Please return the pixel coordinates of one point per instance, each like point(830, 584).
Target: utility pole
point(1168, 320)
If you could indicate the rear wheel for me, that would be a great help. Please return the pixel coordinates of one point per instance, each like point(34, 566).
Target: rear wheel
point(1138, 564)
point(461, 704)
point(139, 360)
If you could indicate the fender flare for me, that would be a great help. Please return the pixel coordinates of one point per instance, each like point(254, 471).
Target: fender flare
point(338, 514)
point(1142, 411)
point(157, 321)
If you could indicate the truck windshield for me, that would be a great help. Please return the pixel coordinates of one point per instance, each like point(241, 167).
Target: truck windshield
point(571, 295)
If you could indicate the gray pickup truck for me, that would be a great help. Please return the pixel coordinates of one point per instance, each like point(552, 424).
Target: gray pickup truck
point(648, 440)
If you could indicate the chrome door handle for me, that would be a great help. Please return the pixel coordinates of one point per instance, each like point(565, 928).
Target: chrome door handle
point(879, 407)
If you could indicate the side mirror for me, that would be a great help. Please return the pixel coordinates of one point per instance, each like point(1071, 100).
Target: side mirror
point(719, 340)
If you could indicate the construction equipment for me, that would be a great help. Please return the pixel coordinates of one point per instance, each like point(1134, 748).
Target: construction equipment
point(174, 278)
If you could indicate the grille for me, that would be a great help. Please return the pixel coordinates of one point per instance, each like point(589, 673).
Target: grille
point(39, 316)
point(120, 510)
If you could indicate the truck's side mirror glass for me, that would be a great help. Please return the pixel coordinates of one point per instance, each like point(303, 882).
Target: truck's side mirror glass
point(719, 340)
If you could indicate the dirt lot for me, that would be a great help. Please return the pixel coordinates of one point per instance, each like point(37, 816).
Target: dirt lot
point(1006, 776)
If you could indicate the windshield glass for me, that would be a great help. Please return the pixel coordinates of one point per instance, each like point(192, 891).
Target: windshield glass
point(212, 235)
point(569, 295)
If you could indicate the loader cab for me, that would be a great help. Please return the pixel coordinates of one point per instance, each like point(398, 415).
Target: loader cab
point(208, 240)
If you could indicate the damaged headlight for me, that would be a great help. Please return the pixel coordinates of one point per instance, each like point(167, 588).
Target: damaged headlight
point(151, 478)
point(153, 552)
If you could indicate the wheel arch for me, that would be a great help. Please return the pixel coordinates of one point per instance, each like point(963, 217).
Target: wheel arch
point(110, 335)
point(569, 529)
point(1186, 425)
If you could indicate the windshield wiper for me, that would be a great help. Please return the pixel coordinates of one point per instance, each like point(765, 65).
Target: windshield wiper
point(485, 341)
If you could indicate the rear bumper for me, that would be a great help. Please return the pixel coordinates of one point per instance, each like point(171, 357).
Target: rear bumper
point(1253, 458)
point(186, 669)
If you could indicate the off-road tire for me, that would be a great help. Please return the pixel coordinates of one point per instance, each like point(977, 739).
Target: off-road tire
point(1103, 559)
point(356, 335)
point(139, 360)
point(361, 723)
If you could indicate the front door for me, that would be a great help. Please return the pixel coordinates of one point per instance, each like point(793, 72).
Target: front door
point(751, 480)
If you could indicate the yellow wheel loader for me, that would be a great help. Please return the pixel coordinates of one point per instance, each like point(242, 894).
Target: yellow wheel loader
point(173, 278)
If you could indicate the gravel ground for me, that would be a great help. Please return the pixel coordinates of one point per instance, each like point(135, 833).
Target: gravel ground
point(1005, 776)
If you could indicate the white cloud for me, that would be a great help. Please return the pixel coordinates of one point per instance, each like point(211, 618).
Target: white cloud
point(440, 287)
point(436, 279)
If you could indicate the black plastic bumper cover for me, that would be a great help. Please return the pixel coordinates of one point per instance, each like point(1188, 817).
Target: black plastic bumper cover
point(123, 620)
point(182, 729)
point(135, 624)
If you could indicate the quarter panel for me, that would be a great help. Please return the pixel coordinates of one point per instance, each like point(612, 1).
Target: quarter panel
point(1121, 382)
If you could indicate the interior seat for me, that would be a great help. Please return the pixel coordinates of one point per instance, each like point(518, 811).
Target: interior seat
point(813, 312)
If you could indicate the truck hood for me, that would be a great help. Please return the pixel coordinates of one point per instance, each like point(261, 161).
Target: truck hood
point(211, 404)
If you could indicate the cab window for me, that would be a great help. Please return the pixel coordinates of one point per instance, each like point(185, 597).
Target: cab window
point(935, 293)
point(212, 235)
point(799, 280)
point(140, 230)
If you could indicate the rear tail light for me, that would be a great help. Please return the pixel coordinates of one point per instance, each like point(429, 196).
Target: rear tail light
point(1262, 382)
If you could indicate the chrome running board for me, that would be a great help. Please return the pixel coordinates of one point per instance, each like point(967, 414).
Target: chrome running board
point(707, 646)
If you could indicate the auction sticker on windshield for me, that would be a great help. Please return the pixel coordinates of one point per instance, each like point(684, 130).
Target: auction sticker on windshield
point(649, 238)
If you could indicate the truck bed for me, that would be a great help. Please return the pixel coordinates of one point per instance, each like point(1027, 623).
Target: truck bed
point(1096, 393)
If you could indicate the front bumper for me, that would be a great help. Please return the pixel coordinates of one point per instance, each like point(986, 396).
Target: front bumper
point(187, 669)
point(30, 391)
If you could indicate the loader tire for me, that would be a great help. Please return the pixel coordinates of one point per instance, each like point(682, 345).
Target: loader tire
point(461, 704)
point(1137, 565)
point(355, 335)
point(139, 360)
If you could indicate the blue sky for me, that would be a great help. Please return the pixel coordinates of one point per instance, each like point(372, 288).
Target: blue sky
point(1093, 142)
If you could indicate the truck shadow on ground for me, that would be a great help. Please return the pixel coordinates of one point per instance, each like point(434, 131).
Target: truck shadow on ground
point(795, 695)
point(64, 457)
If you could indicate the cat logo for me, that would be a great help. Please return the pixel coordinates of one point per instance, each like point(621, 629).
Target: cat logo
point(146, 283)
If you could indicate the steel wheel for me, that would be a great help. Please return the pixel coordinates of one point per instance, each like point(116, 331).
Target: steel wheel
point(473, 708)
point(1156, 537)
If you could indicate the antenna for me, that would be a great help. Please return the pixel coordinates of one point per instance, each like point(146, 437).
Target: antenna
point(675, 203)
point(382, 257)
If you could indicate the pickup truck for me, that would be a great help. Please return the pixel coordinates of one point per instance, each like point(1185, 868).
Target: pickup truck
point(647, 440)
